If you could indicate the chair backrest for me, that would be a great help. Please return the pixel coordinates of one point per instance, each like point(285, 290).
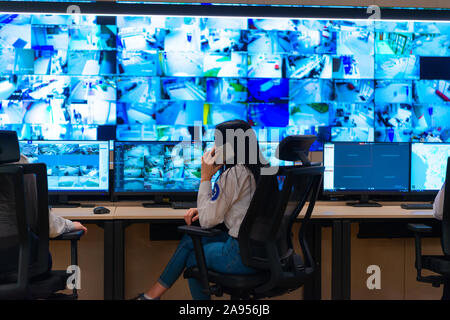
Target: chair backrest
point(14, 235)
point(9, 147)
point(265, 235)
point(35, 195)
point(446, 214)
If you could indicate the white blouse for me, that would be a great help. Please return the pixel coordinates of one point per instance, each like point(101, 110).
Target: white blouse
point(438, 205)
point(228, 201)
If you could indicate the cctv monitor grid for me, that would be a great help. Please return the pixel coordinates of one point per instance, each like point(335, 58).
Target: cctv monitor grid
point(155, 77)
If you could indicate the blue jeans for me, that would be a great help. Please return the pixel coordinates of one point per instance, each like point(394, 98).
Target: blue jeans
point(221, 255)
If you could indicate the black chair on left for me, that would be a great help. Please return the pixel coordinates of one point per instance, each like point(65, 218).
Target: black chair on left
point(24, 230)
point(438, 264)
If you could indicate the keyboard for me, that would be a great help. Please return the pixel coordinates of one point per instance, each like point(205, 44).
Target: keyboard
point(183, 204)
point(417, 206)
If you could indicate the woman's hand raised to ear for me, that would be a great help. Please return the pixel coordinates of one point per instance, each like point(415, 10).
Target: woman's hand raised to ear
point(190, 216)
point(209, 167)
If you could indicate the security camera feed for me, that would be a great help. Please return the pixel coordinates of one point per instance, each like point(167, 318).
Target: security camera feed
point(157, 166)
point(72, 166)
point(368, 167)
point(154, 77)
point(428, 166)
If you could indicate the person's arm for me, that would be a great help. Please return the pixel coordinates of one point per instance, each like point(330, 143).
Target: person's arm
point(58, 225)
point(438, 205)
point(212, 204)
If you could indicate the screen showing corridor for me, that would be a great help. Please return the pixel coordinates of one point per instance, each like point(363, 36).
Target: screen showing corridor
point(152, 78)
point(72, 166)
point(428, 166)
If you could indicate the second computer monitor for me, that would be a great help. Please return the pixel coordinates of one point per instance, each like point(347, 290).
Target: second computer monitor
point(158, 167)
point(428, 166)
point(366, 167)
point(72, 166)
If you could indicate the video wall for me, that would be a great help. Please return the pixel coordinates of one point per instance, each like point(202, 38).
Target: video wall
point(152, 78)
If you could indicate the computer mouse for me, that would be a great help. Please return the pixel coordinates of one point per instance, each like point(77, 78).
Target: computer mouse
point(101, 210)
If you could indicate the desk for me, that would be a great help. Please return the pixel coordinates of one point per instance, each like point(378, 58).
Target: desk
point(105, 221)
point(340, 217)
point(334, 214)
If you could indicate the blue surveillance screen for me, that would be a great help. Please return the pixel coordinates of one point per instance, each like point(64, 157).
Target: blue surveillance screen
point(72, 166)
point(367, 167)
point(152, 77)
point(428, 166)
point(157, 166)
point(168, 166)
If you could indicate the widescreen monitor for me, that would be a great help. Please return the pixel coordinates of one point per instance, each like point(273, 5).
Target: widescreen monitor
point(150, 77)
point(366, 167)
point(167, 167)
point(157, 167)
point(72, 166)
point(428, 166)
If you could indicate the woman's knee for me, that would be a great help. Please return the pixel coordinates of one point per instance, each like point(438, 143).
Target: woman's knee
point(186, 242)
point(191, 260)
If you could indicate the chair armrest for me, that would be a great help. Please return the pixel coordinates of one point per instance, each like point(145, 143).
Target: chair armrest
point(72, 235)
point(195, 232)
point(419, 228)
point(199, 231)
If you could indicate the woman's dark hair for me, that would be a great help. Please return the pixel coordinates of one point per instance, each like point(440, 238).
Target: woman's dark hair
point(236, 132)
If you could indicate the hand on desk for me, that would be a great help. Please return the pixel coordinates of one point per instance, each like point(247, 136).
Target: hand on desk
point(191, 215)
point(78, 226)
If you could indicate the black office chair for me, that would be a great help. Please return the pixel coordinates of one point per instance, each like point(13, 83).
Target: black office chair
point(265, 235)
point(437, 264)
point(25, 234)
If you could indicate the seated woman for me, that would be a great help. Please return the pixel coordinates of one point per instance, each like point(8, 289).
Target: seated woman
point(226, 203)
point(438, 212)
point(438, 205)
point(57, 226)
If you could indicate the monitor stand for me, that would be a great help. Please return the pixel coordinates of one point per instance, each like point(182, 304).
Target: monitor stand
point(63, 202)
point(157, 203)
point(364, 202)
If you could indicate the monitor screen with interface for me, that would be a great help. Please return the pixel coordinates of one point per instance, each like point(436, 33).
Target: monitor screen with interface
point(72, 166)
point(428, 166)
point(366, 167)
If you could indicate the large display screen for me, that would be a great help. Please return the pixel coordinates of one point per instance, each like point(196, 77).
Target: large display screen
point(368, 167)
point(155, 76)
point(168, 166)
point(72, 166)
point(428, 166)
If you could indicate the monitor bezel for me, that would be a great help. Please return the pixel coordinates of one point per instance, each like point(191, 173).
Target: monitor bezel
point(80, 192)
point(327, 192)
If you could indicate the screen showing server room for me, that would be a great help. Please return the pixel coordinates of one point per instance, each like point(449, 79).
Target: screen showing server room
point(152, 78)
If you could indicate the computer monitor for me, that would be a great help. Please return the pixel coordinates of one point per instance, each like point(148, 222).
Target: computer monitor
point(428, 166)
point(72, 166)
point(365, 168)
point(157, 167)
